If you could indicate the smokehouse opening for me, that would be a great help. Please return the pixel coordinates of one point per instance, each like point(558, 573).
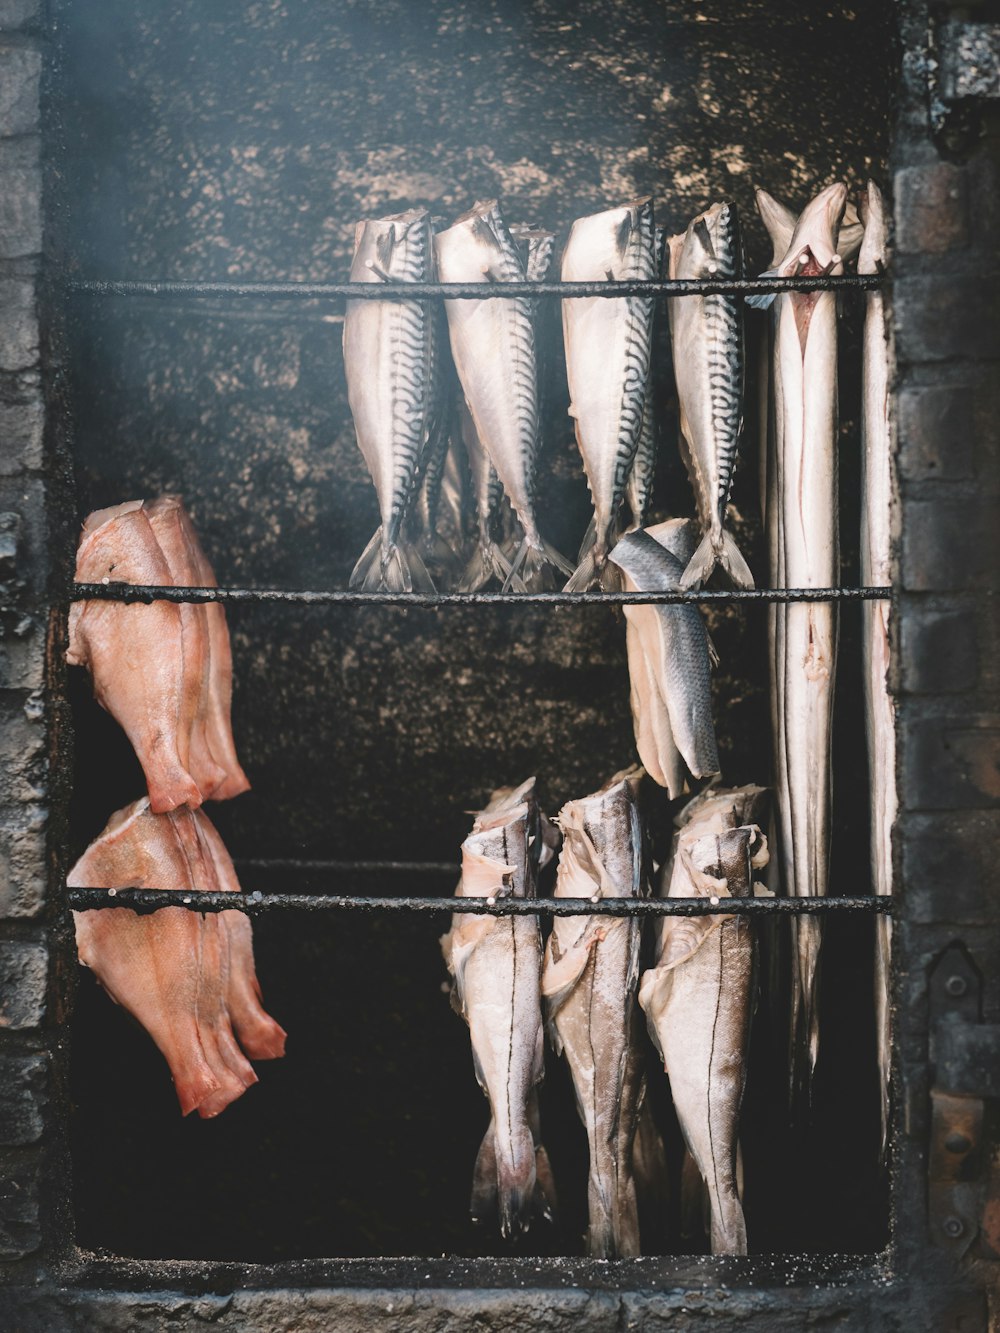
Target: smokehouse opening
point(242, 143)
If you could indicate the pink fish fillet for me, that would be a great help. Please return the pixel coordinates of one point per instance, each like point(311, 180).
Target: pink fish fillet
point(171, 529)
point(217, 703)
point(174, 970)
point(135, 653)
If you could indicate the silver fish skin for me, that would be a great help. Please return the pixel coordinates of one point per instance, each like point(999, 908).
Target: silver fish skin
point(388, 350)
point(490, 559)
point(802, 509)
point(706, 334)
point(607, 343)
point(494, 347)
point(639, 489)
point(589, 981)
point(669, 658)
point(536, 248)
point(876, 570)
point(496, 966)
point(698, 998)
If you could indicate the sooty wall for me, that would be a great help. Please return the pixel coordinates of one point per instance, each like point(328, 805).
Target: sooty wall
point(243, 140)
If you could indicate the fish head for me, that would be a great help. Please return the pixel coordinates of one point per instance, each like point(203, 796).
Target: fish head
point(851, 233)
point(779, 221)
point(601, 247)
point(477, 247)
point(812, 251)
point(873, 253)
point(394, 248)
point(712, 246)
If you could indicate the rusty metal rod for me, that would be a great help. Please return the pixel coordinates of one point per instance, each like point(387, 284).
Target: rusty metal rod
point(134, 592)
point(468, 291)
point(153, 900)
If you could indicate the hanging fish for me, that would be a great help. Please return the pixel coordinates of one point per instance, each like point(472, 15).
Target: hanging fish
point(589, 983)
point(803, 550)
point(706, 334)
point(698, 998)
point(876, 570)
point(669, 659)
point(496, 966)
point(494, 347)
point(607, 342)
point(388, 360)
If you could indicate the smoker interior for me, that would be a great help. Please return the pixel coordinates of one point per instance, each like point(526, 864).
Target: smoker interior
point(244, 140)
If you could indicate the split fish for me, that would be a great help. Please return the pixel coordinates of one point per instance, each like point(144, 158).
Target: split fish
point(669, 659)
point(706, 334)
point(496, 966)
point(698, 998)
point(494, 347)
point(803, 551)
point(607, 342)
point(589, 983)
point(190, 567)
point(187, 977)
point(135, 653)
point(876, 570)
point(388, 360)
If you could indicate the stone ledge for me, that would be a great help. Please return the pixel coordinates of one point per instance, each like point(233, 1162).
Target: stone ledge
point(23, 984)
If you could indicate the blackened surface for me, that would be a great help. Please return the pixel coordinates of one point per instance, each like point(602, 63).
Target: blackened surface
point(245, 140)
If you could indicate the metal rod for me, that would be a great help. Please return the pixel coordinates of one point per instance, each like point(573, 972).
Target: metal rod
point(471, 291)
point(152, 900)
point(348, 867)
point(134, 592)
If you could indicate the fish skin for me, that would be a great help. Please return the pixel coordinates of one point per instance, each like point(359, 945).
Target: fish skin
point(589, 981)
point(804, 552)
point(489, 560)
point(174, 970)
point(496, 966)
point(698, 998)
point(494, 348)
point(135, 653)
point(608, 345)
point(706, 334)
point(675, 689)
point(876, 570)
point(388, 361)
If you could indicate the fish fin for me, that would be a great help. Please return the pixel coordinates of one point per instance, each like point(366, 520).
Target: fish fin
point(483, 1203)
point(545, 1200)
point(400, 570)
point(727, 555)
point(763, 300)
point(515, 1179)
point(368, 558)
point(435, 549)
point(537, 567)
point(488, 563)
point(585, 574)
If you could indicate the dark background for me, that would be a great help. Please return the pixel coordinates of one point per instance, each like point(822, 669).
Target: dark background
point(244, 140)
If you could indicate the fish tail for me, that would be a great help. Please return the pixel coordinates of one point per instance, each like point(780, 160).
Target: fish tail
point(585, 574)
point(545, 1187)
point(716, 549)
point(437, 550)
point(483, 1203)
point(489, 562)
point(515, 1180)
point(367, 559)
point(398, 569)
point(536, 565)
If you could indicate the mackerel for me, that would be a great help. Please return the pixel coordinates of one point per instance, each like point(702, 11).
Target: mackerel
point(706, 334)
point(607, 342)
point(876, 570)
point(698, 998)
point(669, 659)
point(589, 983)
point(388, 359)
point(494, 347)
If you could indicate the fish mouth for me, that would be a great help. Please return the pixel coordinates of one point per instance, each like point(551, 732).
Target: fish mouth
point(812, 252)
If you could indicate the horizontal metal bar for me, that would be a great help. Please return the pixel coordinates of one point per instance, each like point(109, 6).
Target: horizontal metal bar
point(347, 867)
point(134, 592)
point(152, 900)
point(471, 291)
